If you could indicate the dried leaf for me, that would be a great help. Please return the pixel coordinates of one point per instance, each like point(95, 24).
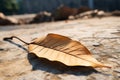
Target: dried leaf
point(63, 49)
point(60, 48)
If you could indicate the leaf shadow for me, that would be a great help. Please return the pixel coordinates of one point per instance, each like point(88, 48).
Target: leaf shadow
point(54, 67)
point(18, 45)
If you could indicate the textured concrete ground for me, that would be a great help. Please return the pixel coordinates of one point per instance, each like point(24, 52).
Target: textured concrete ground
point(100, 36)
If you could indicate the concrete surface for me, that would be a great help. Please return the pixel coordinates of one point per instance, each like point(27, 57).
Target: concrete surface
point(100, 36)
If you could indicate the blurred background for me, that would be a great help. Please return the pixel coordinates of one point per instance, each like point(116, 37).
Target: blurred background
point(11, 7)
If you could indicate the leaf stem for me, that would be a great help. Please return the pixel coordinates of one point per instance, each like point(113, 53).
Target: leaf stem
point(10, 38)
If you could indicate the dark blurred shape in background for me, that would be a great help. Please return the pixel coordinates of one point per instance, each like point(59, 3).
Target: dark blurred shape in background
point(10, 7)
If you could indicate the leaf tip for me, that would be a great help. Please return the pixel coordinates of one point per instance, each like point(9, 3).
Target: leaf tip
point(103, 66)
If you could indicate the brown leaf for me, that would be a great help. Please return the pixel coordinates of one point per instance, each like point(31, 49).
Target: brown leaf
point(60, 48)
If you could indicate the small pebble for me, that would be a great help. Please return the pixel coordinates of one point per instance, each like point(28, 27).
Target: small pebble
point(96, 44)
point(1, 49)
